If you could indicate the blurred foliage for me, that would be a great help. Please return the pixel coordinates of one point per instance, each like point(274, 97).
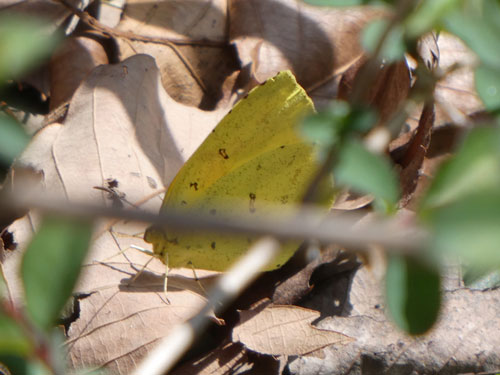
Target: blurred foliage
point(413, 293)
point(51, 266)
point(24, 44)
point(461, 208)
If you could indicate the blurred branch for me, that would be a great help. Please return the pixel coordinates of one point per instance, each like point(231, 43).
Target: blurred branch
point(308, 222)
point(228, 287)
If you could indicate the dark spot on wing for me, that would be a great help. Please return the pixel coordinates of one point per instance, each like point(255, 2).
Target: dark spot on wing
point(252, 202)
point(212, 245)
point(194, 185)
point(282, 146)
point(223, 153)
point(184, 203)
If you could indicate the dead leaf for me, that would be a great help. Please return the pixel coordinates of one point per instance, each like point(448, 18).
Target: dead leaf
point(465, 338)
point(71, 64)
point(122, 126)
point(316, 43)
point(387, 90)
point(455, 94)
point(284, 330)
point(191, 74)
point(347, 200)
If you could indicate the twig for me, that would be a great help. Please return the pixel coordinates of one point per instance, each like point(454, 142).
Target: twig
point(170, 42)
point(229, 286)
point(299, 224)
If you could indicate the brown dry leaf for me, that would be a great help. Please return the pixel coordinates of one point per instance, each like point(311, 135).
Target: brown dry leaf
point(465, 339)
point(221, 361)
point(121, 125)
point(316, 43)
point(211, 61)
point(456, 95)
point(284, 330)
point(51, 11)
point(70, 65)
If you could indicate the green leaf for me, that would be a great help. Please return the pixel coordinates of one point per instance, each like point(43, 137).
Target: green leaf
point(326, 127)
point(488, 86)
point(413, 293)
point(12, 337)
point(367, 173)
point(51, 267)
point(23, 44)
point(479, 279)
point(339, 120)
point(428, 16)
point(469, 228)
point(343, 3)
point(13, 139)
point(393, 47)
point(478, 26)
point(475, 167)
point(24, 365)
point(335, 3)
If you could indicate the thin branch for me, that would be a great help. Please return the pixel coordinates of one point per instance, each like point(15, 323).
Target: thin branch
point(170, 42)
point(299, 224)
point(229, 286)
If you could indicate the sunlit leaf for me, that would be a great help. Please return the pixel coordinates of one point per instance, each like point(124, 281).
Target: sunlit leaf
point(367, 173)
point(413, 293)
point(51, 267)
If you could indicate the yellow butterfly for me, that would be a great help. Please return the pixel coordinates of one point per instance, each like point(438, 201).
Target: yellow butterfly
point(253, 159)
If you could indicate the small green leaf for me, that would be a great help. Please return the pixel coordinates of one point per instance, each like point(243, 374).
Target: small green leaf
point(479, 279)
point(367, 173)
point(413, 293)
point(12, 337)
point(488, 86)
point(335, 3)
point(51, 267)
point(326, 127)
point(344, 3)
point(469, 228)
point(24, 365)
point(475, 167)
point(393, 47)
point(478, 26)
point(338, 121)
point(428, 16)
point(23, 44)
point(13, 139)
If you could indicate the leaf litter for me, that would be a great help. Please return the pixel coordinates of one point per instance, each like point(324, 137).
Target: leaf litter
point(121, 112)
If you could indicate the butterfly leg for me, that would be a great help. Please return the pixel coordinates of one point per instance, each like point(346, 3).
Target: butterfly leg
point(165, 280)
point(141, 271)
point(197, 279)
